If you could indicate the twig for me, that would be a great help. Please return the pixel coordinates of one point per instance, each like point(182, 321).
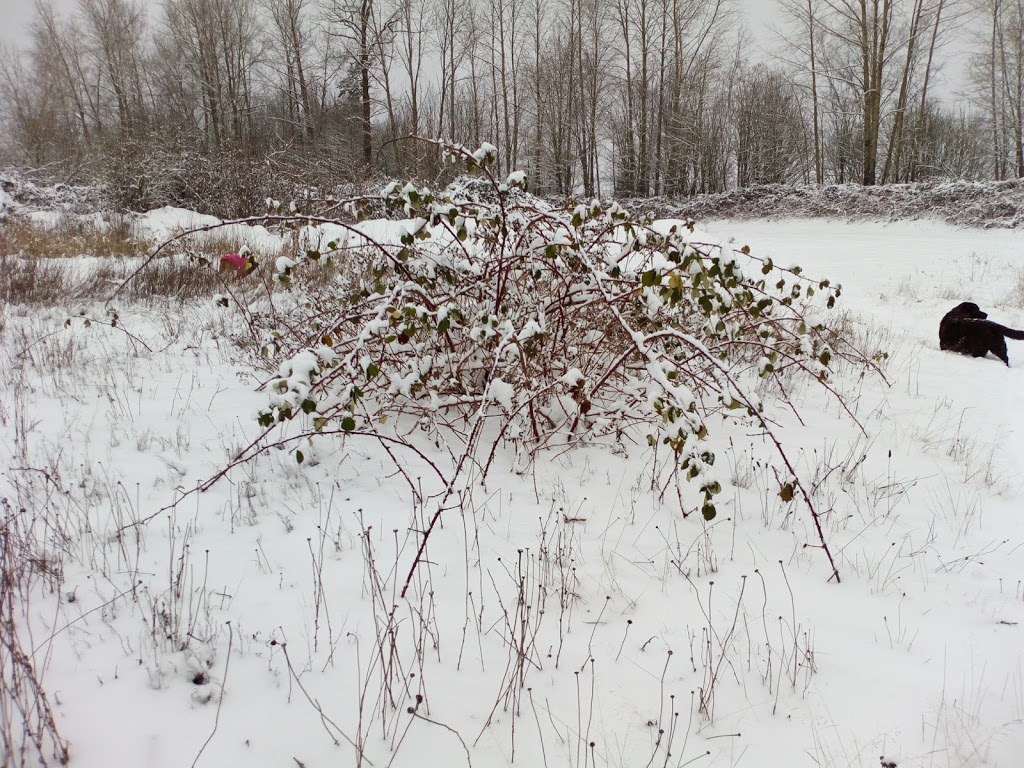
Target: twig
point(465, 749)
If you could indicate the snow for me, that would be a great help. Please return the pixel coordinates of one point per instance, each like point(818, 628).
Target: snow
point(283, 264)
point(529, 330)
point(165, 222)
point(275, 582)
point(502, 393)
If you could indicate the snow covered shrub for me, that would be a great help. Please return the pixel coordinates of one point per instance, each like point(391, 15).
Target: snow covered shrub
point(506, 321)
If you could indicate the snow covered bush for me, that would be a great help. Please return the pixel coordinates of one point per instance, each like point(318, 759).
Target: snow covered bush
point(508, 322)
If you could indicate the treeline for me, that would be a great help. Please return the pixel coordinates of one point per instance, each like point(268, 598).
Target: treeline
point(204, 100)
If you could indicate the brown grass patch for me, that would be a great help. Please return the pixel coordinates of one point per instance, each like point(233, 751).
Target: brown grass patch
point(57, 281)
point(39, 263)
point(107, 235)
point(34, 281)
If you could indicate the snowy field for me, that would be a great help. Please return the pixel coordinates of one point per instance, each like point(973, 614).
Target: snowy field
point(565, 616)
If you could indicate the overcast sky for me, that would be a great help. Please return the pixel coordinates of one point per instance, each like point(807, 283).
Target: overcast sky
point(16, 15)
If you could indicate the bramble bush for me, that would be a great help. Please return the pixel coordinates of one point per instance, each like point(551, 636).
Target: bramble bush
point(495, 319)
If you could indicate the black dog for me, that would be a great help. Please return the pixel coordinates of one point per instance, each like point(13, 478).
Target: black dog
point(967, 330)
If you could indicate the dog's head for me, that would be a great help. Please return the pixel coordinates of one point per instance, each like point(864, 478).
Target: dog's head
point(970, 310)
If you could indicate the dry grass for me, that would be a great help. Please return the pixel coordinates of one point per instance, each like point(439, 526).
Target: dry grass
point(107, 235)
point(1015, 297)
point(39, 262)
point(174, 277)
point(56, 281)
point(34, 281)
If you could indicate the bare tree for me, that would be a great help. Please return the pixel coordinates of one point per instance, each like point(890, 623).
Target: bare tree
point(363, 32)
point(218, 42)
point(294, 39)
point(801, 50)
point(31, 109)
point(768, 119)
point(59, 57)
point(114, 31)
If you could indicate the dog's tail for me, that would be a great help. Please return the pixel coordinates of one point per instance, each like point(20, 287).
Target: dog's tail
point(1010, 333)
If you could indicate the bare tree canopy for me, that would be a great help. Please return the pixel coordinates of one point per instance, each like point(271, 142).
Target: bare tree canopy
point(591, 97)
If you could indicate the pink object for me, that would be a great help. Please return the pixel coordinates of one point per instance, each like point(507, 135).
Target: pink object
point(234, 261)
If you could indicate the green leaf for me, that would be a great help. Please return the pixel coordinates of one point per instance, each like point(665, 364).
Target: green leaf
point(299, 458)
point(708, 511)
point(371, 371)
point(313, 254)
point(348, 424)
point(444, 325)
point(308, 405)
point(650, 278)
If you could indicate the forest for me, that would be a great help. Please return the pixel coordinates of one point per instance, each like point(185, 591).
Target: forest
point(219, 103)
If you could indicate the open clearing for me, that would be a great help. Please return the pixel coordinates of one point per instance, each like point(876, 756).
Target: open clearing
point(565, 616)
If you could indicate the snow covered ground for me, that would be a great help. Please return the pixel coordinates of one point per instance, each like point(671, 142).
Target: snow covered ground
point(563, 617)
